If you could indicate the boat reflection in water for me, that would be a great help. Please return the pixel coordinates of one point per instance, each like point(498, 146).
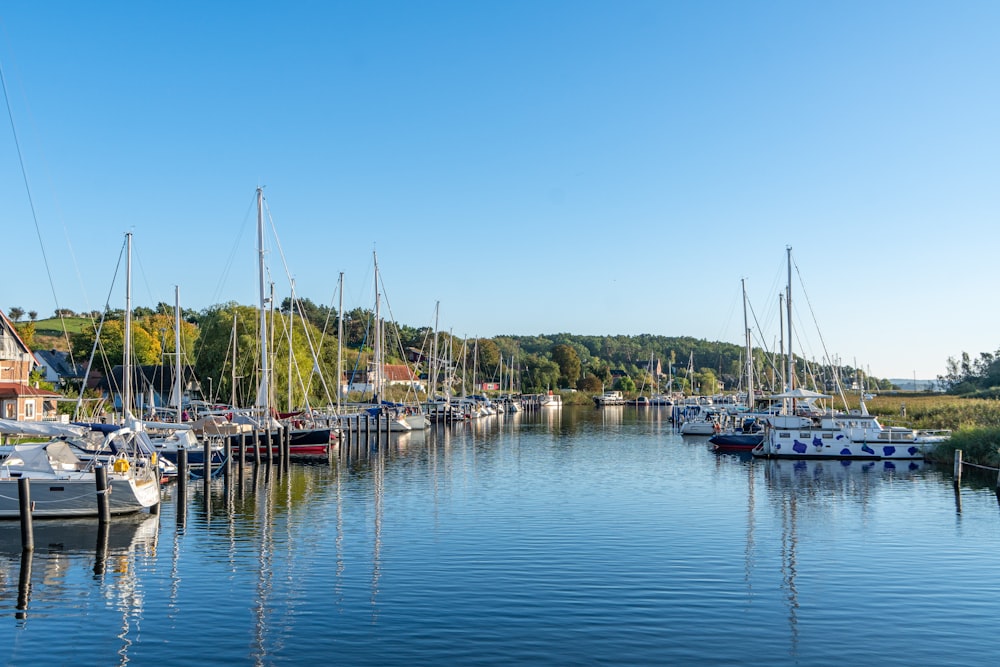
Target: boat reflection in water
point(851, 476)
point(48, 570)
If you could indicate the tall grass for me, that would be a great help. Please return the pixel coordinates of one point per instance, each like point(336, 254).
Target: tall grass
point(974, 422)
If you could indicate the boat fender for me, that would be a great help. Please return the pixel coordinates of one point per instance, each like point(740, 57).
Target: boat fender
point(121, 465)
point(152, 459)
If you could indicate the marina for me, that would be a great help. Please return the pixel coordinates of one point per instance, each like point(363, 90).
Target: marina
point(573, 535)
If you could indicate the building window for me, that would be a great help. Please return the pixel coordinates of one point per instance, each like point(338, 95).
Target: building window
point(8, 410)
point(29, 409)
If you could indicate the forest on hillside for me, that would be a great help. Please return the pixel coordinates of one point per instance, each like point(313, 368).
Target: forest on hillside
point(221, 342)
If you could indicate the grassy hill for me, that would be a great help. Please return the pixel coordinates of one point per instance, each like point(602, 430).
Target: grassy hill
point(54, 326)
point(49, 333)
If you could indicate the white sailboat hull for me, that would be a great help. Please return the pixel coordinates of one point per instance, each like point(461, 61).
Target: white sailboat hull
point(76, 495)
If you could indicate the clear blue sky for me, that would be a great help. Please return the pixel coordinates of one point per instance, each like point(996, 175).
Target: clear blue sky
point(535, 166)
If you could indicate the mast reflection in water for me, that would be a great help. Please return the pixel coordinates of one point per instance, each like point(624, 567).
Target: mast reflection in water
point(556, 536)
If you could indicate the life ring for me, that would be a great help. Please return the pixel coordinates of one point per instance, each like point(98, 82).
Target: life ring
point(121, 465)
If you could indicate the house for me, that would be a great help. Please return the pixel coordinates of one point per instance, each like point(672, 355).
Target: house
point(392, 374)
point(19, 399)
point(58, 368)
point(152, 386)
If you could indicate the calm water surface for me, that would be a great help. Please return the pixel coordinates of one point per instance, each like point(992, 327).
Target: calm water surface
point(570, 537)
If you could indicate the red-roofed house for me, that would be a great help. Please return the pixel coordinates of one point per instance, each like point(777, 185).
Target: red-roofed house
point(18, 399)
point(393, 374)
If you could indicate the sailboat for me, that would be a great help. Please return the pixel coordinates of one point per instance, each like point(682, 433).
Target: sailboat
point(748, 432)
point(303, 441)
point(401, 417)
point(856, 434)
point(62, 483)
point(170, 437)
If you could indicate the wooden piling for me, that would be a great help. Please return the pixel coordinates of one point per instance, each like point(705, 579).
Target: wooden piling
point(206, 449)
point(103, 502)
point(27, 527)
point(182, 473)
point(101, 550)
point(227, 453)
point(268, 446)
point(243, 454)
point(958, 467)
point(24, 585)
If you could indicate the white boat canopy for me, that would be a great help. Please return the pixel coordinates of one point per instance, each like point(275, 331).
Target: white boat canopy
point(41, 429)
point(800, 394)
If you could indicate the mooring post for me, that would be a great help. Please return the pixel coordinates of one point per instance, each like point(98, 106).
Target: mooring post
point(227, 453)
point(27, 528)
point(24, 585)
point(103, 502)
point(243, 454)
point(269, 447)
point(182, 473)
point(958, 467)
point(280, 446)
point(206, 452)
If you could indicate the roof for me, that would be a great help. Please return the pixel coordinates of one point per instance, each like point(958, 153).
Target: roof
point(398, 373)
point(59, 363)
point(17, 389)
point(7, 328)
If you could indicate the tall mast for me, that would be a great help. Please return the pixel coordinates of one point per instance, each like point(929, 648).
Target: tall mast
point(749, 344)
point(788, 305)
point(340, 342)
point(262, 389)
point(377, 377)
point(291, 315)
point(127, 361)
point(177, 349)
point(432, 377)
point(232, 386)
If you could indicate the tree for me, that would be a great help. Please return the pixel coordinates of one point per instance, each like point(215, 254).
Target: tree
point(26, 330)
point(33, 315)
point(16, 313)
point(590, 382)
point(569, 364)
point(540, 374)
point(626, 384)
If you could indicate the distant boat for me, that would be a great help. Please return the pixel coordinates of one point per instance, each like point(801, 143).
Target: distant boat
point(550, 400)
point(609, 398)
point(749, 435)
point(698, 420)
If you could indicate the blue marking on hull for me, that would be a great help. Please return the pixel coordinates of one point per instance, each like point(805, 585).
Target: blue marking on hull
point(867, 450)
point(888, 450)
point(845, 452)
point(799, 448)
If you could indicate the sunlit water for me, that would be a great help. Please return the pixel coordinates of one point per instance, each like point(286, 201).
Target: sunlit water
point(566, 537)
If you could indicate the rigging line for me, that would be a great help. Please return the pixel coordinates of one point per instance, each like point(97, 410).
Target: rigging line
point(826, 353)
point(98, 345)
point(27, 187)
